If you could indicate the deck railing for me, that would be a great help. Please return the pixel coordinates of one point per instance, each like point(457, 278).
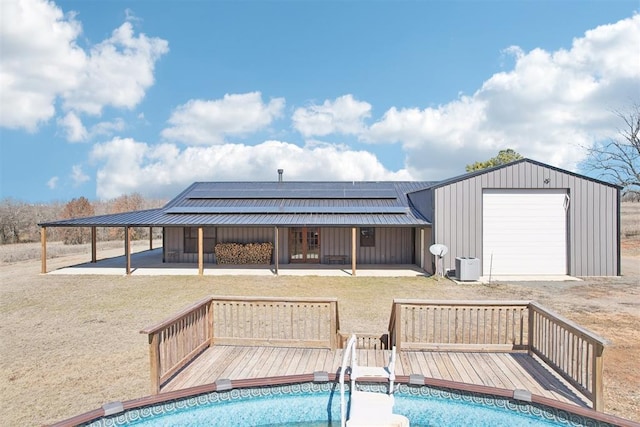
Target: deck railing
point(176, 341)
point(365, 341)
point(458, 325)
point(281, 322)
point(572, 351)
point(250, 321)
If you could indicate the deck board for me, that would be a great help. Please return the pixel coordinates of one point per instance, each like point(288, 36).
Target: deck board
point(502, 370)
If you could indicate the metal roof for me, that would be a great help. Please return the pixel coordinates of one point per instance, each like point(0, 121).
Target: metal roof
point(468, 175)
point(275, 204)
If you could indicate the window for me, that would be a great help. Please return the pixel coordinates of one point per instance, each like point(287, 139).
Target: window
point(191, 241)
point(367, 236)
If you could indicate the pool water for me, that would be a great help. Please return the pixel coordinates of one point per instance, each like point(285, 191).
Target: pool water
point(318, 405)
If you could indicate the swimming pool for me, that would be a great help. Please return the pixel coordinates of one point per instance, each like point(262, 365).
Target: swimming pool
point(318, 404)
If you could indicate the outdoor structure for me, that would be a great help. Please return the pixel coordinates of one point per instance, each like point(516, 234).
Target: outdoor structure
point(522, 218)
point(505, 344)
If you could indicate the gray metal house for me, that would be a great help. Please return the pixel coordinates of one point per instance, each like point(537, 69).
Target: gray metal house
point(308, 222)
point(522, 218)
point(526, 218)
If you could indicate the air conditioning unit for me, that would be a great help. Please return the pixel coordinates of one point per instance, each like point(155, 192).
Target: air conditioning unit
point(467, 269)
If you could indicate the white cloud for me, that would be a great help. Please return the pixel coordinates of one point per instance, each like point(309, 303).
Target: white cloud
point(344, 115)
point(126, 165)
point(41, 62)
point(78, 176)
point(547, 107)
point(75, 131)
point(53, 182)
point(118, 72)
point(107, 128)
point(209, 122)
point(40, 59)
point(73, 128)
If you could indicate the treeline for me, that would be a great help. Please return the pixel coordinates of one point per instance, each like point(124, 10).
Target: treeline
point(19, 220)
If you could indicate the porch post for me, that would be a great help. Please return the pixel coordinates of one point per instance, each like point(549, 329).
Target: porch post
point(127, 249)
point(150, 238)
point(43, 252)
point(353, 251)
point(276, 251)
point(94, 251)
point(200, 251)
point(422, 248)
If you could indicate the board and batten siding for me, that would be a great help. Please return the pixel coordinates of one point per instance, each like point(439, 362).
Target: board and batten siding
point(393, 245)
point(593, 215)
point(174, 241)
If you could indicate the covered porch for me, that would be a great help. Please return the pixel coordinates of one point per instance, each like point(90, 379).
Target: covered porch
point(150, 263)
point(166, 260)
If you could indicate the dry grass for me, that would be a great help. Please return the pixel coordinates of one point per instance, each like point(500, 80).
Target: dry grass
point(31, 251)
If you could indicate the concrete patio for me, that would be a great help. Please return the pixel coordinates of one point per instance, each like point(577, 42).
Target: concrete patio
point(149, 263)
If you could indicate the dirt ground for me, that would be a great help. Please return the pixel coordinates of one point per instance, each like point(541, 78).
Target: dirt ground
point(69, 344)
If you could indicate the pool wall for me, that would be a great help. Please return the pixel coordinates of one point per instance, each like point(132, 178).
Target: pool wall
point(120, 413)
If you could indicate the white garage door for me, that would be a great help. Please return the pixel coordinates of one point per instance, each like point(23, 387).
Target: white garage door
point(524, 232)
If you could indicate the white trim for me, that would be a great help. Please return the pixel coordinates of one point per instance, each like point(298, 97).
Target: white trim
point(524, 232)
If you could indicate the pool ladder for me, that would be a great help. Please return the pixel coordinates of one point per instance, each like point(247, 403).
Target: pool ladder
point(368, 408)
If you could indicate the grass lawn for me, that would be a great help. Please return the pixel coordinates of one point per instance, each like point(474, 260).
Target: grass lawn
point(69, 344)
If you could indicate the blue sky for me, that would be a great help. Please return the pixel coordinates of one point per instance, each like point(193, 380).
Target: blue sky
point(100, 99)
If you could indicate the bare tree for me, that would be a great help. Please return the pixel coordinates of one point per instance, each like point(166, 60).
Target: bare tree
point(617, 160)
point(126, 203)
point(12, 221)
point(77, 208)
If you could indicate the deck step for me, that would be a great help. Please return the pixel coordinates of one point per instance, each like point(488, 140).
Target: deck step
point(363, 372)
point(369, 406)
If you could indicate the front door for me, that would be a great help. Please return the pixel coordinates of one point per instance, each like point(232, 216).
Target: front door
point(304, 244)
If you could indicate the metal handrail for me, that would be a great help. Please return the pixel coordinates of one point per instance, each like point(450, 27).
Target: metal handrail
point(348, 350)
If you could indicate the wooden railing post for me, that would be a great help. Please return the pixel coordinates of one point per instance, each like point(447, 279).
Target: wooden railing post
point(398, 326)
point(154, 362)
point(597, 383)
point(210, 323)
point(530, 330)
point(333, 336)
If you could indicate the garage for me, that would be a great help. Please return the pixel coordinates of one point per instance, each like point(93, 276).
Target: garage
point(524, 232)
point(525, 218)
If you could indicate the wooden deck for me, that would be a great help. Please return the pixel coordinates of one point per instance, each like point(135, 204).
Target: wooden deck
point(502, 370)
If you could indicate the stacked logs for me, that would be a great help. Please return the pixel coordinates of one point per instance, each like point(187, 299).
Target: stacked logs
point(237, 253)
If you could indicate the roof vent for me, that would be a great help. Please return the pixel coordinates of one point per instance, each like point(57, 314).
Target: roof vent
point(280, 171)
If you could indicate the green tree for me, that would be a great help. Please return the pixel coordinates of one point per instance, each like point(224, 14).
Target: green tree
point(503, 157)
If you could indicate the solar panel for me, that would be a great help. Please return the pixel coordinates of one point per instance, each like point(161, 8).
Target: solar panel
point(288, 210)
point(293, 194)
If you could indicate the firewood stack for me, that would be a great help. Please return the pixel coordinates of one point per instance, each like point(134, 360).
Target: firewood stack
point(237, 253)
